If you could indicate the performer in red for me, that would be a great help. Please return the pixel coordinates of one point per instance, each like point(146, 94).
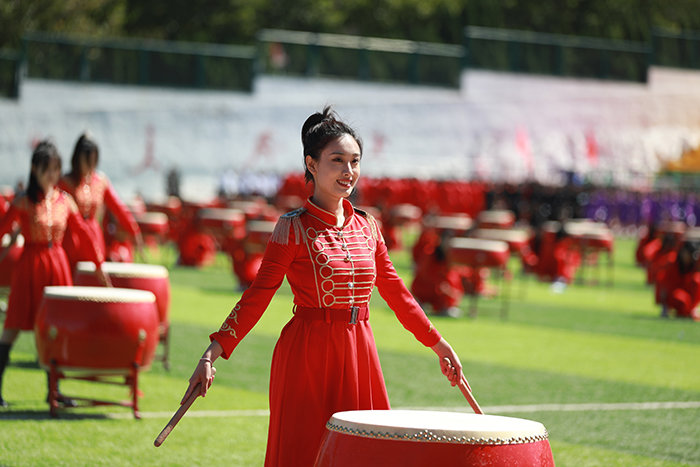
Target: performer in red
point(678, 283)
point(92, 191)
point(332, 255)
point(43, 214)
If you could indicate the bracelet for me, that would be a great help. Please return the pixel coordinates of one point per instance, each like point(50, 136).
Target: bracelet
point(205, 359)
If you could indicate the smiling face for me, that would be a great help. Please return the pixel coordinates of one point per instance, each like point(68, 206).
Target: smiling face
point(336, 171)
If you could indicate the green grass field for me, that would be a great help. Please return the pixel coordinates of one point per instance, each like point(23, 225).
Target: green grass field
point(561, 359)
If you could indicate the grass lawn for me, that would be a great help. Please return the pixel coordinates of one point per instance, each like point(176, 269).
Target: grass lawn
point(594, 344)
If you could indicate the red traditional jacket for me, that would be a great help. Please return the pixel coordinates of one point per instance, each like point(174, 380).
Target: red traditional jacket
point(46, 221)
point(91, 195)
point(327, 267)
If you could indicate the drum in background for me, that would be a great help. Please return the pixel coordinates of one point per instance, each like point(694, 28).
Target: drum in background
point(402, 214)
point(478, 253)
point(458, 225)
point(154, 226)
point(516, 239)
point(151, 277)
point(96, 328)
point(419, 438)
point(259, 232)
point(496, 219)
point(223, 222)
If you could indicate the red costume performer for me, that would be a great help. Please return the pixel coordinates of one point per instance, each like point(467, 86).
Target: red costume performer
point(92, 193)
point(328, 344)
point(43, 261)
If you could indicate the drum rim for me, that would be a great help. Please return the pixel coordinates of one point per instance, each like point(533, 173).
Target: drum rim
point(495, 246)
point(338, 424)
point(151, 217)
point(222, 214)
point(98, 294)
point(149, 271)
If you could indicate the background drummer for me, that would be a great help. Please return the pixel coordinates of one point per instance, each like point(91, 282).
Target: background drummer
point(44, 214)
point(92, 192)
point(325, 360)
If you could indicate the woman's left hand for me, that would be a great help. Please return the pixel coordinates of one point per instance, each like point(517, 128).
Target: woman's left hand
point(450, 365)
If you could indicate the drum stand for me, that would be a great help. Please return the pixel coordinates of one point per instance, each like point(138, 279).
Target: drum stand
point(503, 284)
point(164, 339)
point(130, 375)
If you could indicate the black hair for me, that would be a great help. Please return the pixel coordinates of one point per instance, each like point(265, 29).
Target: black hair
point(45, 153)
point(320, 129)
point(687, 257)
point(85, 146)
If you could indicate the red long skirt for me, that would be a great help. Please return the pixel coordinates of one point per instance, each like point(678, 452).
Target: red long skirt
point(38, 267)
point(319, 368)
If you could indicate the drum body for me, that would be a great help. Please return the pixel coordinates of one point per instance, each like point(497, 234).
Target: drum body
point(478, 253)
point(496, 219)
point(259, 232)
point(516, 239)
point(419, 438)
point(151, 277)
point(96, 328)
point(223, 222)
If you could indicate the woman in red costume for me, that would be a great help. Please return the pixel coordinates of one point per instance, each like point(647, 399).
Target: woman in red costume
point(44, 214)
point(92, 191)
point(332, 255)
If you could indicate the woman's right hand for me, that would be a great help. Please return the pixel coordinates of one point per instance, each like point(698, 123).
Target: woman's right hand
point(203, 373)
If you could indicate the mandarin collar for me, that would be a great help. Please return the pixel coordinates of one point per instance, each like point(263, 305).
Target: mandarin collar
point(327, 216)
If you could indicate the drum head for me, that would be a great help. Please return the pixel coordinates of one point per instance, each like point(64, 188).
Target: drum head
point(441, 427)
point(125, 269)
point(99, 294)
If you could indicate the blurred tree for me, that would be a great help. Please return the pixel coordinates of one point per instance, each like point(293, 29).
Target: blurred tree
point(87, 17)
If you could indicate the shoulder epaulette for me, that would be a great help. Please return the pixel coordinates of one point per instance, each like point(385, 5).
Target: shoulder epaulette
point(285, 223)
point(372, 222)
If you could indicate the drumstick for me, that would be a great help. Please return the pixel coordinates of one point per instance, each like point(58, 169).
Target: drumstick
point(178, 415)
point(464, 387)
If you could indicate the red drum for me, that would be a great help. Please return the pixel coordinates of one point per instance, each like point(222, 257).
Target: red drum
point(152, 223)
point(478, 253)
point(11, 257)
point(419, 438)
point(457, 224)
point(259, 232)
point(516, 239)
point(405, 214)
point(223, 222)
point(96, 328)
point(496, 219)
point(589, 234)
point(171, 207)
point(151, 277)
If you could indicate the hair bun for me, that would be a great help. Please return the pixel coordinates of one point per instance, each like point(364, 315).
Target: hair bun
point(316, 119)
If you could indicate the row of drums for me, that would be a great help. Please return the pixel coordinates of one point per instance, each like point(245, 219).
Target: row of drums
point(91, 328)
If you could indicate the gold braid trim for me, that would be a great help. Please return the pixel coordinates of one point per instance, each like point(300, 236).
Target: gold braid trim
point(285, 223)
point(374, 230)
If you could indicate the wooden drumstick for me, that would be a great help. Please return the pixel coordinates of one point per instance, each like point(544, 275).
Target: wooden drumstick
point(178, 415)
point(464, 387)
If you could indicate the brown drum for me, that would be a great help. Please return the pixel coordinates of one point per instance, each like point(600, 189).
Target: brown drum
point(404, 438)
point(96, 328)
point(496, 219)
point(478, 253)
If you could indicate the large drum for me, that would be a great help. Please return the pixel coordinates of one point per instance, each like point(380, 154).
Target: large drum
point(458, 225)
point(496, 219)
point(151, 277)
point(259, 232)
point(153, 225)
point(223, 222)
point(419, 438)
point(516, 239)
point(478, 252)
point(96, 328)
